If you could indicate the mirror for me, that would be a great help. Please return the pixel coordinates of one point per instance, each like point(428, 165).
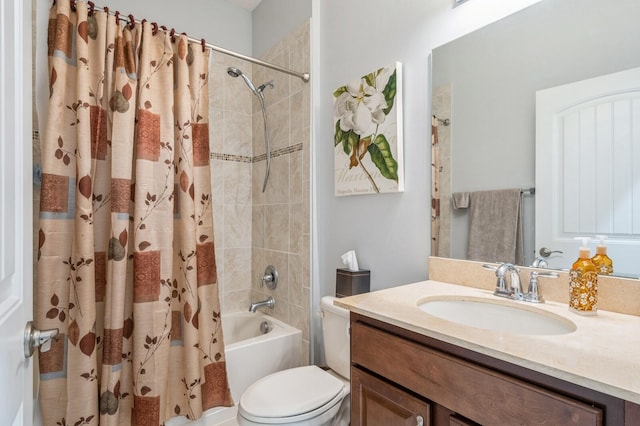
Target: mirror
point(485, 84)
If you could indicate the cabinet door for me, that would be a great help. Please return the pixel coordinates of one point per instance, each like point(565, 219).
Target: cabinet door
point(377, 403)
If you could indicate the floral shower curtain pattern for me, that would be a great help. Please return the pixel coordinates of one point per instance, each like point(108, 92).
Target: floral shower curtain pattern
point(126, 260)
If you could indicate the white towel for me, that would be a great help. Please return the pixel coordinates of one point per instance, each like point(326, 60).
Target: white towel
point(495, 226)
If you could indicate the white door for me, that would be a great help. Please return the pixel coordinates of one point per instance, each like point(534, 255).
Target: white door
point(16, 289)
point(588, 168)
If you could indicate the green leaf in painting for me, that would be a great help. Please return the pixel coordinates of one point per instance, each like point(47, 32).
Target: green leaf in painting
point(339, 91)
point(370, 79)
point(350, 139)
point(338, 135)
point(382, 157)
point(389, 93)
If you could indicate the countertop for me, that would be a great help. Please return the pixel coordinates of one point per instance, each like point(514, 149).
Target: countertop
point(602, 354)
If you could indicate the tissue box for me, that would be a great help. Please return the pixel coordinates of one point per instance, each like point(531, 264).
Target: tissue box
point(349, 282)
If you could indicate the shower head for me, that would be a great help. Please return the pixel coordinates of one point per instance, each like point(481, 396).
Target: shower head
point(236, 72)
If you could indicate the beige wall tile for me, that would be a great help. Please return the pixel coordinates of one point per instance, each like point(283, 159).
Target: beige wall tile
point(236, 274)
point(257, 226)
point(237, 226)
point(237, 133)
point(276, 229)
point(237, 182)
point(278, 184)
point(295, 280)
point(295, 177)
point(236, 301)
point(296, 227)
point(279, 122)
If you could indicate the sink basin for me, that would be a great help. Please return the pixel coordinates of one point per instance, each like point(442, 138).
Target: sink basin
point(496, 316)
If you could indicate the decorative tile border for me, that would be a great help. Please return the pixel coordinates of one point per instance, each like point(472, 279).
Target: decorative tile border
point(228, 157)
point(246, 159)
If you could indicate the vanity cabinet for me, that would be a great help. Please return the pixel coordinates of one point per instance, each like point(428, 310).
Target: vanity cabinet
point(402, 378)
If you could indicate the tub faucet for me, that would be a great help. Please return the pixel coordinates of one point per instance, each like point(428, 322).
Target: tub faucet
point(270, 303)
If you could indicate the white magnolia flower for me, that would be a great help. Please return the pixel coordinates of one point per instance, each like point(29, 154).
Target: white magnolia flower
point(360, 108)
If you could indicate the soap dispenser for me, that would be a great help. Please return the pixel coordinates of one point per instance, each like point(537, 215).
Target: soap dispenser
point(603, 263)
point(583, 289)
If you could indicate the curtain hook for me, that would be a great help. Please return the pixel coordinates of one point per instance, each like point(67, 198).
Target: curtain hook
point(172, 34)
point(204, 45)
point(132, 22)
point(117, 14)
point(154, 28)
point(164, 28)
point(91, 7)
point(106, 10)
point(72, 4)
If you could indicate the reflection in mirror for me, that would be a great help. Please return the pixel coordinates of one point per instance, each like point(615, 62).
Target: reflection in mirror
point(486, 82)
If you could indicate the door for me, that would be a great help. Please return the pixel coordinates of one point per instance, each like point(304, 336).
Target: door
point(377, 403)
point(588, 168)
point(16, 289)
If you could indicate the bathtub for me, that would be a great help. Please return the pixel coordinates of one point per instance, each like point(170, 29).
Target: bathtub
point(250, 354)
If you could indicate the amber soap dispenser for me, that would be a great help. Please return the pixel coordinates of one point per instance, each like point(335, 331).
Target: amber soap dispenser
point(583, 288)
point(604, 264)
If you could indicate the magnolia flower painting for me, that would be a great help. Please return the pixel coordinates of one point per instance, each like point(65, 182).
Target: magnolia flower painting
point(367, 142)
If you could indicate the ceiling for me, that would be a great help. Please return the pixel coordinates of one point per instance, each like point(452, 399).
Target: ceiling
point(246, 4)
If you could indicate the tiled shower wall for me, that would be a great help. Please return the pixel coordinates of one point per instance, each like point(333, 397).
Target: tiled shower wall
point(255, 229)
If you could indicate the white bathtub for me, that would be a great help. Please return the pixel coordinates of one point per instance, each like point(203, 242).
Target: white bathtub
point(250, 355)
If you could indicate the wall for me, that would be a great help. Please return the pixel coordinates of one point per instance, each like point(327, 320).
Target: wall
point(493, 121)
point(274, 19)
point(281, 215)
point(218, 21)
point(390, 232)
point(230, 140)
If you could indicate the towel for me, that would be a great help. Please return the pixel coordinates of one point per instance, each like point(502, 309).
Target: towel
point(495, 226)
point(460, 200)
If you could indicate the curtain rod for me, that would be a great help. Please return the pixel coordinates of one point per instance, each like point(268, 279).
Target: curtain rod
point(303, 76)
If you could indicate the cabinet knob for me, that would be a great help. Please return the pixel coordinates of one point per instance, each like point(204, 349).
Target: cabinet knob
point(419, 421)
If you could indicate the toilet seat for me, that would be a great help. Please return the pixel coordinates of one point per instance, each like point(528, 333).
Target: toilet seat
point(292, 395)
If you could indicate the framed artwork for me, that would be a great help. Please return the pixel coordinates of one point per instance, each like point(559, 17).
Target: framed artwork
point(367, 116)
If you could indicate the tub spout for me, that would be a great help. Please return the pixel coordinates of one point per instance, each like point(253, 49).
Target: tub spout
point(270, 303)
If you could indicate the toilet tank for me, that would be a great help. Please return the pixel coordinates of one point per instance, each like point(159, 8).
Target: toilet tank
point(335, 331)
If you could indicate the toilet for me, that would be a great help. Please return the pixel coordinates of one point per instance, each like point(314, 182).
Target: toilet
point(308, 395)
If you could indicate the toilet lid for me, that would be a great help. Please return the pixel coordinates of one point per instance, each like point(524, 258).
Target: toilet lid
point(290, 392)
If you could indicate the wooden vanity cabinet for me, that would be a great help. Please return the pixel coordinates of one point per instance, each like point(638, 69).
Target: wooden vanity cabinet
point(399, 377)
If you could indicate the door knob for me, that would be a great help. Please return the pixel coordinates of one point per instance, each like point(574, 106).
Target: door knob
point(546, 252)
point(34, 337)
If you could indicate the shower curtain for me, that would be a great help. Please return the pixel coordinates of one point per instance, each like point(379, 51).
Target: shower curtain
point(126, 263)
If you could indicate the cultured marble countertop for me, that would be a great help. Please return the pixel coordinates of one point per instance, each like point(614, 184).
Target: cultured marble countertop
point(602, 354)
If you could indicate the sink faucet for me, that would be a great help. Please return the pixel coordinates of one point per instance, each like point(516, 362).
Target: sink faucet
point(514, 291)
point(270, 303)
point(539, 262)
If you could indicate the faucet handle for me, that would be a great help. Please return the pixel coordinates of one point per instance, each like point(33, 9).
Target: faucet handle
point(533, 293)
point(270, 277)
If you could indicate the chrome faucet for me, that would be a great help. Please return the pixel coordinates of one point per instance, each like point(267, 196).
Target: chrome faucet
point(539, 262)
point(533, 293)
point(269, 303)
point(514, 290)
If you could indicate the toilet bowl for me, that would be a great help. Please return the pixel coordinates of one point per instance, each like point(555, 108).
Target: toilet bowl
point(309, 395)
